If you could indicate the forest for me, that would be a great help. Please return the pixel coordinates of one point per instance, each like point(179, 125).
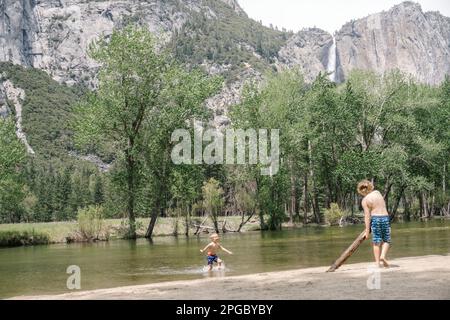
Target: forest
point(387, 128)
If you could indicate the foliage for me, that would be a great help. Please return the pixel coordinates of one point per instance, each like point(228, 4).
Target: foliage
point(91, 224)
point(334, 214)
point(230, 40)
point(12, 158)
point(213, 200)
point(13, 238)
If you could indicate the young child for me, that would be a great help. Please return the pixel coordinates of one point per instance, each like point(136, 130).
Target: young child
point(377, 221)
point(212, 249)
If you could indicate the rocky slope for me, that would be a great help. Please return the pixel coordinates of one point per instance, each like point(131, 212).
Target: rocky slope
point(404, 37)
point(54, 35)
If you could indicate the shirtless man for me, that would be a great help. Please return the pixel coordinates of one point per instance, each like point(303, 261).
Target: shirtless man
point(377, 221)
point(212, 249)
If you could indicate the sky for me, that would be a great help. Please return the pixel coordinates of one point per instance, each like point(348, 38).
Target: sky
point(328, 15)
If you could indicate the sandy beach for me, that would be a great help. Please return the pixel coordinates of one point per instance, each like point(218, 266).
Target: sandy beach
point(426, 277)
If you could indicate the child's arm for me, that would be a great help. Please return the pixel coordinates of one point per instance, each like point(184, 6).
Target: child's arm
point(227, 251)
point(205, 248)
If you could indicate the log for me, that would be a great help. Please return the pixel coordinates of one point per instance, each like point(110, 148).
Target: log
point(348, 252)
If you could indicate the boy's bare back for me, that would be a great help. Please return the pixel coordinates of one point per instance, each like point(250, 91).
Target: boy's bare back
point(375, 202)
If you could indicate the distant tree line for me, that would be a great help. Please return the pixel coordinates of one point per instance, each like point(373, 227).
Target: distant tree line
point(386, 128)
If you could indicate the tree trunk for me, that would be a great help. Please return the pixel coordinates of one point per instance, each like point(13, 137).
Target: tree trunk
point(293, 200)
point(406, 211)
point(215, 222)
point(153, 218)
point(397, 203)
point(443, 181)
point(348, 252)
point(130, 183)
point(316, 208)
point(305, 199)
point(186, 221)
point(424, 205)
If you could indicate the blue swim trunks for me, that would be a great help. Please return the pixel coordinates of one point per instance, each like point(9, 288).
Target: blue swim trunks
point(212, 259)
point(381, 229)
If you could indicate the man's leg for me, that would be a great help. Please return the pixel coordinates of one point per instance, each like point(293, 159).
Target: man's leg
point(377, 252)
point(384, 251)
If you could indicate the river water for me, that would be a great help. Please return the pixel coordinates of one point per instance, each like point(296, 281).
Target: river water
point(42, 269)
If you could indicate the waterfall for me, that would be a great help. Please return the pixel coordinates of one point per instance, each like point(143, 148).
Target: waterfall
point(332, 60)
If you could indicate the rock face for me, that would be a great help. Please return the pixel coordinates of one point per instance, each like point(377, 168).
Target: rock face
point(404, 37)
point(54, 35)
point(309, 50)
point(15, 96)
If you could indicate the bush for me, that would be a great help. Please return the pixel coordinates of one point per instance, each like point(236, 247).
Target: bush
point(334, 214)
point(22, 238)
point(91, 224)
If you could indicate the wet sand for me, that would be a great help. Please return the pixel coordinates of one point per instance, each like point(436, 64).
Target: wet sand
point(426, 277)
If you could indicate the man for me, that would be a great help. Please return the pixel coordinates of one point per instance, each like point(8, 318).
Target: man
point(377, 220)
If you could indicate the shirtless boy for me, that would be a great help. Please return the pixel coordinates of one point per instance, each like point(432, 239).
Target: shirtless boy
point(212, 249)
point(377, 220)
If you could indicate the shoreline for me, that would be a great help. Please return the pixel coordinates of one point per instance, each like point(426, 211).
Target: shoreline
point(58, 232)
point(411, 278)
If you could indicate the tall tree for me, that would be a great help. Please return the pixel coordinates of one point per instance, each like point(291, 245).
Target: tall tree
point(140, 87)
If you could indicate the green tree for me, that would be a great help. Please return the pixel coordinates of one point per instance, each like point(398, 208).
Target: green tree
point(12, 159)
point(142, 95)
point(213, 200)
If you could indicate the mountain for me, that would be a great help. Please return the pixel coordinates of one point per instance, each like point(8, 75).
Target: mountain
point(54, 36)
point(404, 37)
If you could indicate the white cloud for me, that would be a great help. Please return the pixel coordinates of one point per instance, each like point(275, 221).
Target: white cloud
point(329, 15)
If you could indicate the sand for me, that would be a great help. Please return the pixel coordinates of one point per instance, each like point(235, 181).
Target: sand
point(426, 277)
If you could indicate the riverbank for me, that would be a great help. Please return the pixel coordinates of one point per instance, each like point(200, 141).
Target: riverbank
point(59, 232)
point(426, 277)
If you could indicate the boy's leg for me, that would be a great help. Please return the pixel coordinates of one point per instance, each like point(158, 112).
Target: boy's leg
point(386, 236)
point(384, 251)
point(377, 252)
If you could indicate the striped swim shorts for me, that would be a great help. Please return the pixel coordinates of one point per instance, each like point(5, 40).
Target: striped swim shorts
point(381, 229)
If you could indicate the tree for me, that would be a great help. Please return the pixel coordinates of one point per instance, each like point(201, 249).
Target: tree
point(140, 87)
point(12, 158)
point(213, 200)
point(131, 82)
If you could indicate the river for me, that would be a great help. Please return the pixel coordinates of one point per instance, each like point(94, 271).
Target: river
point(42, 269)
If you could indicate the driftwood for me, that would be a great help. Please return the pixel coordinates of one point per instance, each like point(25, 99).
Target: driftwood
point(348, 252)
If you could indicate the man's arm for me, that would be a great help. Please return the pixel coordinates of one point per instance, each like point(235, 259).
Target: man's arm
point(227, 251)
point(366, 217)
point(205, 248)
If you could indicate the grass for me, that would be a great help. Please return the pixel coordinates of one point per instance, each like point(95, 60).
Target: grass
point(57, 232)
point(13, 238)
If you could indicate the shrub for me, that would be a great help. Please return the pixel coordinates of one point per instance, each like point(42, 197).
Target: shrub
point(334, 214)
point(91, 224)
point(15, 238)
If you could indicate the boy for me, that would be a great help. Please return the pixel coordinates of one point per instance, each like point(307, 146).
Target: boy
point(212, 249)
point(377, 220)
